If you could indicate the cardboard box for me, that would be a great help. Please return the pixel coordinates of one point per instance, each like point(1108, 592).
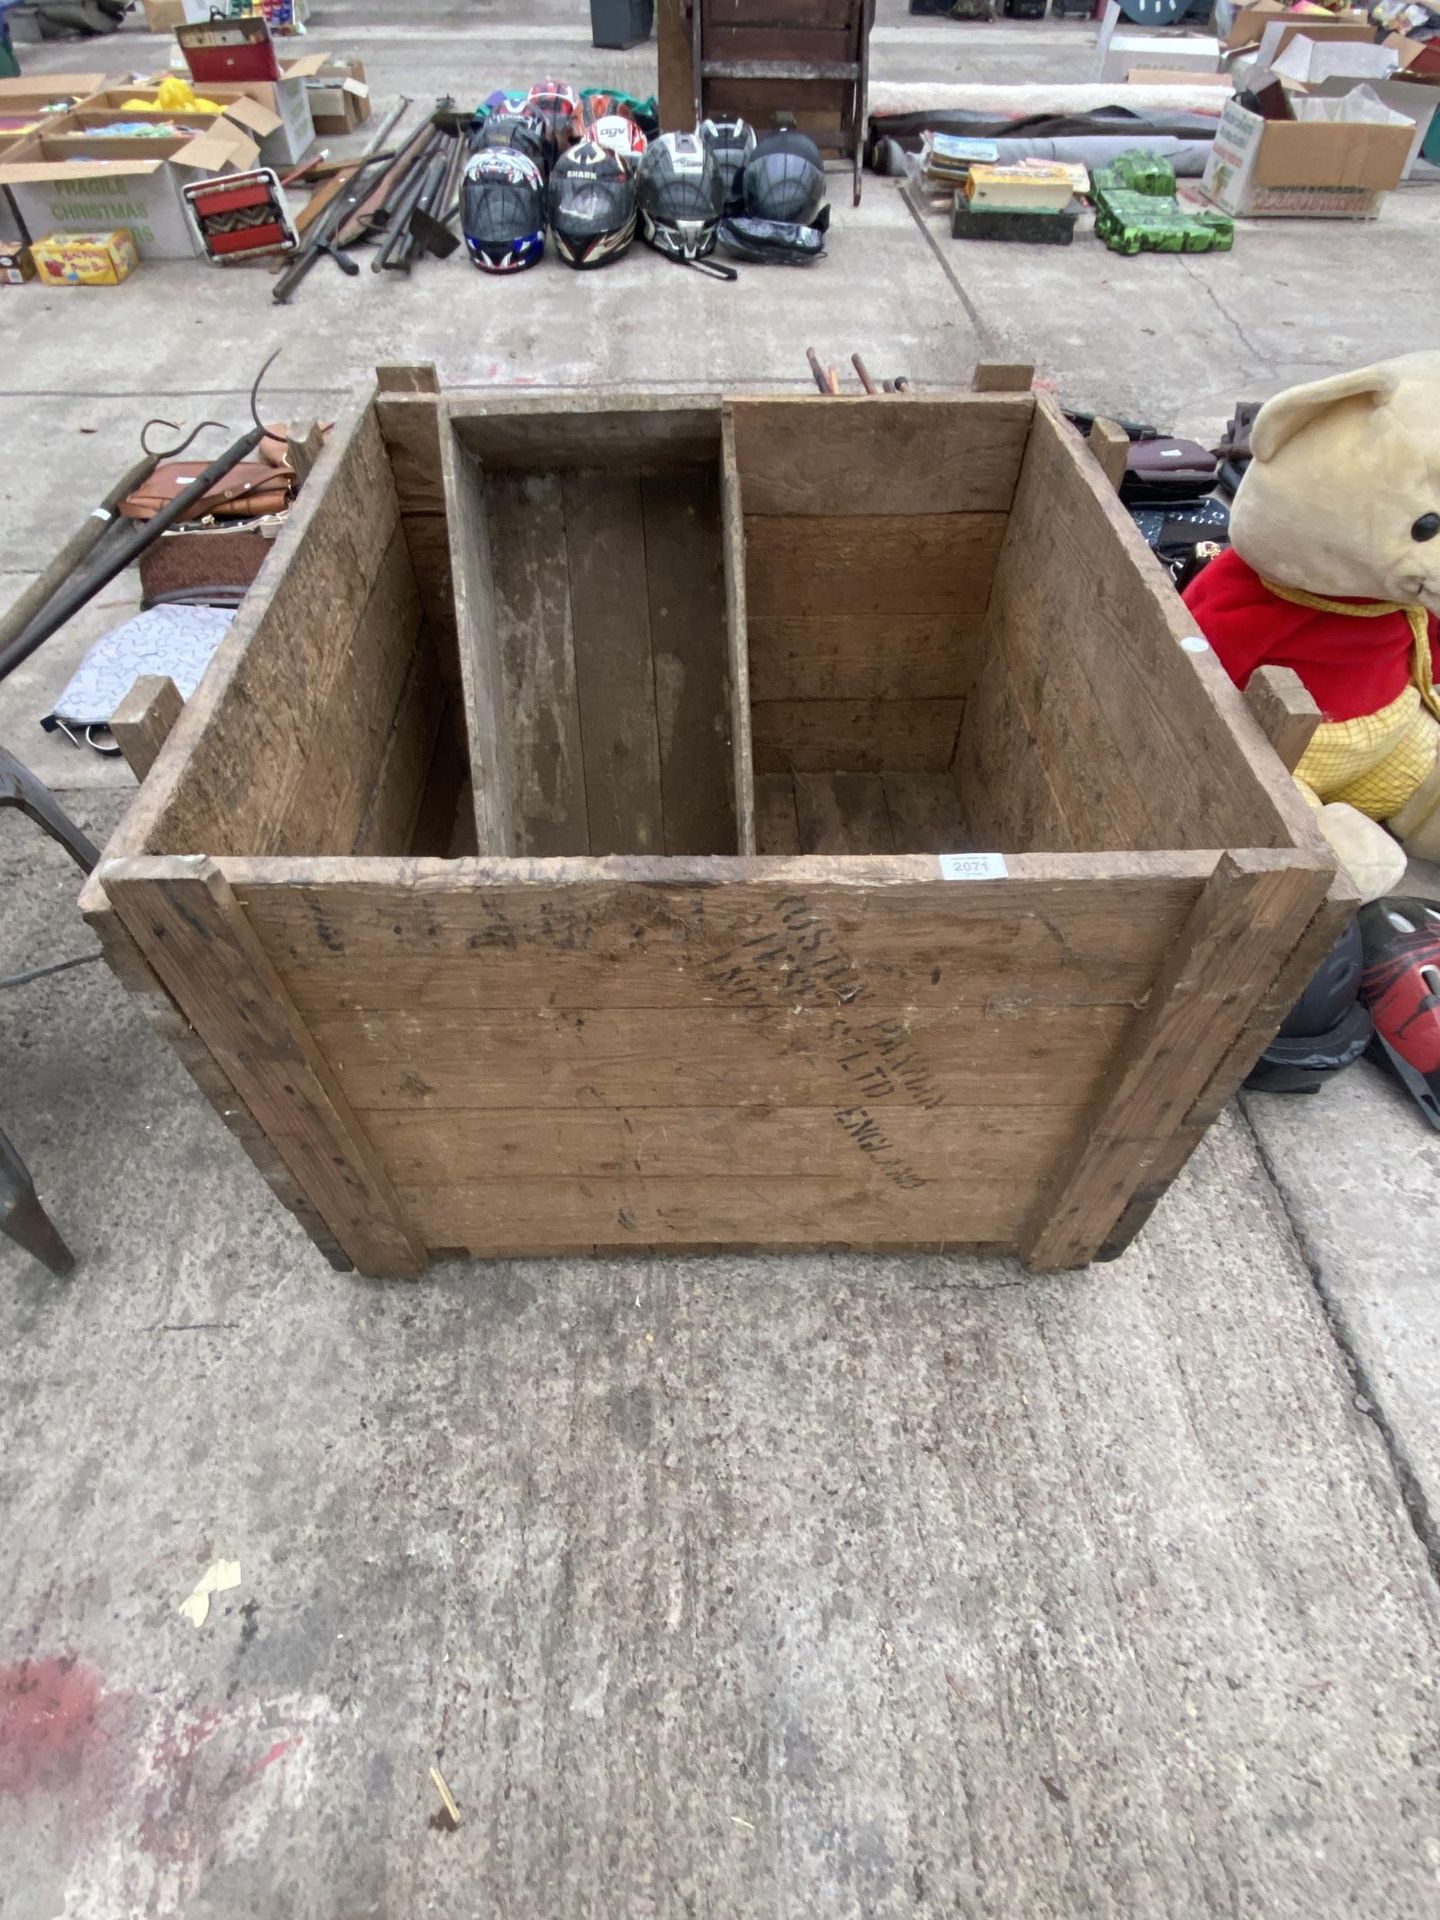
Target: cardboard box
point(1336, 170)
point(274, 138)
point(163, 16)
point(286, 98)
point(32, 101)
point(339, 97)
point(1248, 27)
point(59, 184)
point(1329, 69)
point(85, 259)
point(17, 264)
point(1174, 77)
point(1126, 53)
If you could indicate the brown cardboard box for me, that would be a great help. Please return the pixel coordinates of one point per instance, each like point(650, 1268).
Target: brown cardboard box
point(163, 16)
point(70, 180)
point(1327, 69)
point(17, 264)
point(259, 122)
point(285, 97)
point(339, 97)
point(1248, 27)
point(1178, 77)
point(25, 97)
point(1336, 170)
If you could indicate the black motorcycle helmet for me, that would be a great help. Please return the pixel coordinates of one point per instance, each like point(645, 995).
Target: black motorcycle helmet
point(680, 197)
point(518, 128)
point(502, 209)
point(592, 206)
point(731, 142)
point(785, 180)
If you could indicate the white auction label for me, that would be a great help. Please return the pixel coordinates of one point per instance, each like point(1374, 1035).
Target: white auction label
point(973, 866)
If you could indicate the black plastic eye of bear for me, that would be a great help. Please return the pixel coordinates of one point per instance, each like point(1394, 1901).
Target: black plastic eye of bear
point(1426, 527)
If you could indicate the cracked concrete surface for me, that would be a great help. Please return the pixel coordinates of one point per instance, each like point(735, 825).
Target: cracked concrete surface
point(824, 1586)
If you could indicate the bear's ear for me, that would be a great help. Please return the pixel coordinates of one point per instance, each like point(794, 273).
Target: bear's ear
point(1280, 419)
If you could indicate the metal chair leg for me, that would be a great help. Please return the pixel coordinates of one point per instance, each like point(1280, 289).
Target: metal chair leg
point(19, 788)
point(23, 1219)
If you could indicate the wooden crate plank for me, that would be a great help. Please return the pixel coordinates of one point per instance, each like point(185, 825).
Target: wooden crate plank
point(934, 563)
point(427, 1150)
point(630, 432)
point(880, 456)
point(742, 747)
point(879, 1056)
point(1075, 564)
point(410, 426)
point(898, 454)
point(685, 584)
point(540, 706)
point(328, 795)
point(925, 813)
point(141, 723)
point(1242, 931)
point(258, 714)
point(482, 675)
point(513, 1218)
point(1284, 710)
point(187, 923)
point(387, 824)
point(863, 656)
point(777, 827)
point(350, 935)
point(1002, 376)
point(614, 667)
point(1006, 792)
point(169, 1024)
point(859, 736)
point(842, 813)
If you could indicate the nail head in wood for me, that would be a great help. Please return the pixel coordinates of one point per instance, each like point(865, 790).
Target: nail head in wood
point(1287, 714)
point(141, 723)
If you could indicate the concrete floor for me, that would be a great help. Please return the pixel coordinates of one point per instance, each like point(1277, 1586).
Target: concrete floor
point(726, 1587)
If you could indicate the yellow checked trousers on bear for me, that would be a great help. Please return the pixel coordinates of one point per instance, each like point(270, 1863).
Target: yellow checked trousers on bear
point(1380, 762)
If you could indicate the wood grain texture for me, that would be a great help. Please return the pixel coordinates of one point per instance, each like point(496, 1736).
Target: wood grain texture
point(1006, 783)
point(1162, 720)
point(141, 723)
point(1002, 376)
point(857, 736)
point(195, 937)
point(742, 746)
point(546, 432)
point(614, 666)
point(863, 656)
point(539, 721)
point(731, 1055)
point(1110, 444)
point(777, 827)
point(482, 935)
point(387, 823)
point(1242, 931)
point(926, 814)
point(812, 564)
point(261, 713)
point(1284, 710)
point(492, 793)
point(170, 1025)
point(842, 813)
point(410, 424)
point(893, 454)
point(690, 644)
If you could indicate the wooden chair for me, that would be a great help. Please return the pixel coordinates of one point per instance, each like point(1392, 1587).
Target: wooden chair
point(775, 61)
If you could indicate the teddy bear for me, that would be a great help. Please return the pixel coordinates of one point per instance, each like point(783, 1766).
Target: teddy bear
point(1334, 570)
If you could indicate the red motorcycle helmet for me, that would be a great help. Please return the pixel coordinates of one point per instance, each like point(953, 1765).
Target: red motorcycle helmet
point(1401, 987)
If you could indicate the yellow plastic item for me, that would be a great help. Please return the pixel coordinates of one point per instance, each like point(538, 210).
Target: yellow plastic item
point(173, 95)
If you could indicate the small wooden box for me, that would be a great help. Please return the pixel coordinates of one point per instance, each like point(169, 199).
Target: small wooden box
point(636, 823)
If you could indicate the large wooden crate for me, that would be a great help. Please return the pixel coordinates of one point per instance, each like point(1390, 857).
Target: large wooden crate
point(627, 823)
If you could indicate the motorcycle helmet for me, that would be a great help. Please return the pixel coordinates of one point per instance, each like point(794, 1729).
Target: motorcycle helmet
point(514, 127)
point(679, 196)
point(619, 132)
point(785, 180)
point(558, 106)
point(732, 142)
point(1326, 1030)
point(592, 206)
point(502, 208)
point(1401, 987)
